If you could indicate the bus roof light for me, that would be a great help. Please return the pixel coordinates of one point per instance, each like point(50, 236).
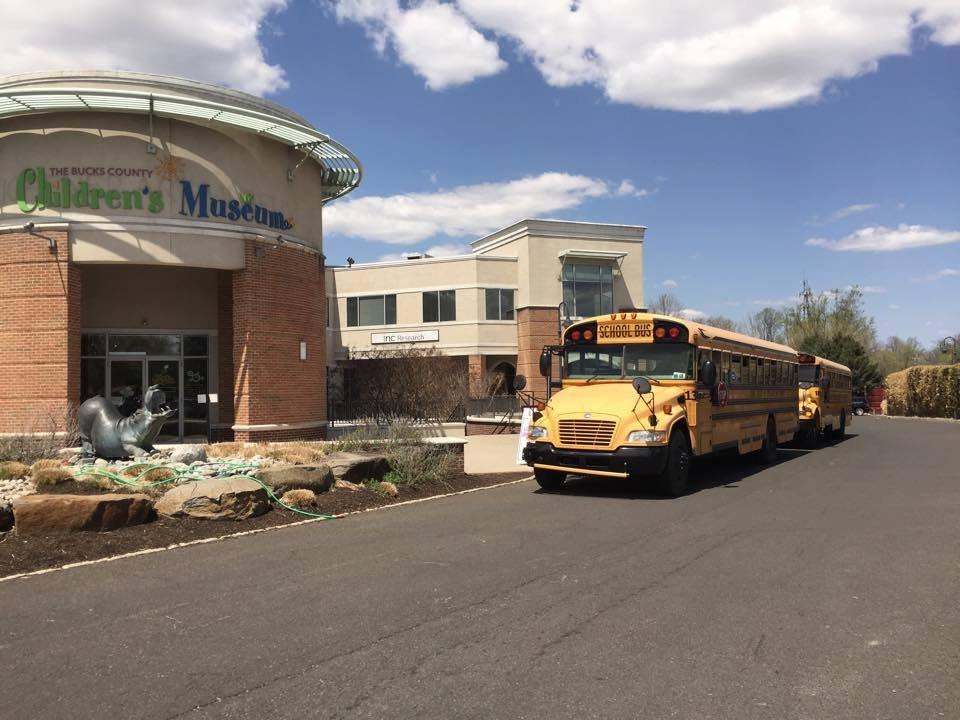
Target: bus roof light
point(674, 331)
point(588, 335)
point(659, 332)
point(575, 336)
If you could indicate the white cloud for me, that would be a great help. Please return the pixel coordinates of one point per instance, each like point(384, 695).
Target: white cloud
point(627, 189)
point(433, 38)
point(852, 210)
point(685, 55)
point(436, 251)
point(885, 239)
point(691, 314)
point(669, 283)
point(893, 306)
point(214, 40)
point(868, 289)
point(941, 274)
point(462, 211)
point(780, 302)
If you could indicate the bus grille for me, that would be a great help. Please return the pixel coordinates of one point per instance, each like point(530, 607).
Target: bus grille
point(593, 433)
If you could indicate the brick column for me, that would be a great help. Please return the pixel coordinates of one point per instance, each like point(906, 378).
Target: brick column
point(279, 301)
point(476, 374)
point(224, 357)
point(536, 327)
point(39, 332)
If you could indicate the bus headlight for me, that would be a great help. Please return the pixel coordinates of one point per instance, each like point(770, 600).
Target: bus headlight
point(537, 433)
point(651, 436)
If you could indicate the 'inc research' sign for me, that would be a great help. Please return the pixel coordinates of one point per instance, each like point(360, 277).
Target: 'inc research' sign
point(404, 337)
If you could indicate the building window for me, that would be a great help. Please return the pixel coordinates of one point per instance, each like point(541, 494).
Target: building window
point(587, 289)
point(372, 310)
point(439, 306)
point(499, 304)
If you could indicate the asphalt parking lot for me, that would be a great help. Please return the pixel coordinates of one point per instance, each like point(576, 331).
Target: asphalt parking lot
point(826, 586)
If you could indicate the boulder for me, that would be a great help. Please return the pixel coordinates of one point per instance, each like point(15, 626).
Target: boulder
point(231, 498)
point(281, 478)
point(188, 454)
point(357, 467)
point(41, 513)
point(347, 485)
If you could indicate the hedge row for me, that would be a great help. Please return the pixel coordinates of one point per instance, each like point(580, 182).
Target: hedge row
point(925, 391)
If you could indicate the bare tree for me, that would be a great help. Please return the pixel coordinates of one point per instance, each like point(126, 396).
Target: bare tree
point(768, 324)
point(666, 304)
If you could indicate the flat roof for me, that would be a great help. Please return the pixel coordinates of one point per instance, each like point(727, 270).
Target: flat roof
point(180, 99)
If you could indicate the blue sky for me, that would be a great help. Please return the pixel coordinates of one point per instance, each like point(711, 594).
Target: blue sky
point(762, 143)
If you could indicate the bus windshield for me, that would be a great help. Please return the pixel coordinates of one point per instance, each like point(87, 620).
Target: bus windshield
point(808, 374)
point(660, 362)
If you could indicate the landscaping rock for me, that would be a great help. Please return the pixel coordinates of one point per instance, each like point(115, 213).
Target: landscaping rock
point(357, 467)
point(38, 514)
point(231, 498)
point(188, 454)
point(281, 478)
point(347, 485)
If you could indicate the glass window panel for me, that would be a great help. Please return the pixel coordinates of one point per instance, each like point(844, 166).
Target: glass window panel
point(492, 304)
point(195, 383)
point(430, 307)
point(587, 298)
point(371, 310)
point(606, 273)
point(352, 313)
point(448, 305)
point(506, 304)
point(149, 344)
point(93, 378)
point(390, 309)
point(606, 299)
point(93, 345)
point(568, 272)
point(195, 345)
point(586, 273)
point(571, 308)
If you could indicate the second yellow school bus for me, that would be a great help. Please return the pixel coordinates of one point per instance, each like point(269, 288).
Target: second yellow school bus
point(826, 392)
point(642, 394)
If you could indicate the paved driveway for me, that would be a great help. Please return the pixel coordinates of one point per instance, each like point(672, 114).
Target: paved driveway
point(826, 587)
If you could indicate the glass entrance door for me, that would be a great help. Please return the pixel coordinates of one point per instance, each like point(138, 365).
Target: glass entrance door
point(126, 385)
point(166, 374)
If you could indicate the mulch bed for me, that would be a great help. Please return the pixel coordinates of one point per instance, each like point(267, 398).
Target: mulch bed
point(36, 552)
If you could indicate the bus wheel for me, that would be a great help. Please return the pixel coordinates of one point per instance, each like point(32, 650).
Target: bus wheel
point(673, 481)
point(768, 453)
point(549, 480)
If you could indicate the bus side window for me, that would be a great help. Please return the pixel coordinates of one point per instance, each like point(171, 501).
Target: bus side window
point(753, 371)
point(725, 366)
point(735, 369)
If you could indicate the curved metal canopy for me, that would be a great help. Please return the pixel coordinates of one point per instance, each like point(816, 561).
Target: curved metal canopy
point(342, 170)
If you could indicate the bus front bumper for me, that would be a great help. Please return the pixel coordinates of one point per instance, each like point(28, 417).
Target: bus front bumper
point(622, 462)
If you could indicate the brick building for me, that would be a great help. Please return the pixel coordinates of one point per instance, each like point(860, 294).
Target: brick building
point(160, 231)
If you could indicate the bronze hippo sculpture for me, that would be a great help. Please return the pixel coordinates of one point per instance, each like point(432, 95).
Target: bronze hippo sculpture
point(106, 433)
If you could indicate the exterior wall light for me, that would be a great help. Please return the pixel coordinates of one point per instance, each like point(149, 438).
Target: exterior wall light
point(303, 350)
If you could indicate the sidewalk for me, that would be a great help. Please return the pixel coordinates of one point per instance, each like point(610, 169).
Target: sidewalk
point(492, 454)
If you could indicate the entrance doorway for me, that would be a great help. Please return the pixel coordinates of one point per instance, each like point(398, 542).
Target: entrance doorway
point(120, 367)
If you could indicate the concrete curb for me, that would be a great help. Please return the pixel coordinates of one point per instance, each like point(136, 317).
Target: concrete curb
point(244, 533)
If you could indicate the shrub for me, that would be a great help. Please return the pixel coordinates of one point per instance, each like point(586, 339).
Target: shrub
point(100, 482)
point(44, 464)
point(150, 475)
point(382, 488)
point(300, 498)
point(925, 390)
point(12, 469)
point(297, 453)
point(48, 432)
point(415, 464)
point(51, 476)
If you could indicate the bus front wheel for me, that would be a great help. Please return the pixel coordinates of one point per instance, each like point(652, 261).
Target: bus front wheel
point(549, 480)
point(676, 474)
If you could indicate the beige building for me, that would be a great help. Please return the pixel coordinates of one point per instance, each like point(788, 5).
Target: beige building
point(494, 308)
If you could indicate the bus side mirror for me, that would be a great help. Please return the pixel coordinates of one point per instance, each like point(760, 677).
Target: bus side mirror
point(708, 373)
point(519, 382)
point(546, 363)
point(641, 385)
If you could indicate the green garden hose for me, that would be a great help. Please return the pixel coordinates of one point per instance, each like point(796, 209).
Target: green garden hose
point(226, 468)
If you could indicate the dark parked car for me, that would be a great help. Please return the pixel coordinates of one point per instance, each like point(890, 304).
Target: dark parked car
point(859, 406)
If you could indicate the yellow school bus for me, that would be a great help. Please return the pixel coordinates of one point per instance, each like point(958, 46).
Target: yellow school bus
point(826, 391)
point(642, 394)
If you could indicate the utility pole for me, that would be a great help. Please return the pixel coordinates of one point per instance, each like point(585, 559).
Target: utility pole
point(806, 300)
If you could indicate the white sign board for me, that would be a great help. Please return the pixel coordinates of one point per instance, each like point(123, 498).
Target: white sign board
point(526, 418)
point(404, 337)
